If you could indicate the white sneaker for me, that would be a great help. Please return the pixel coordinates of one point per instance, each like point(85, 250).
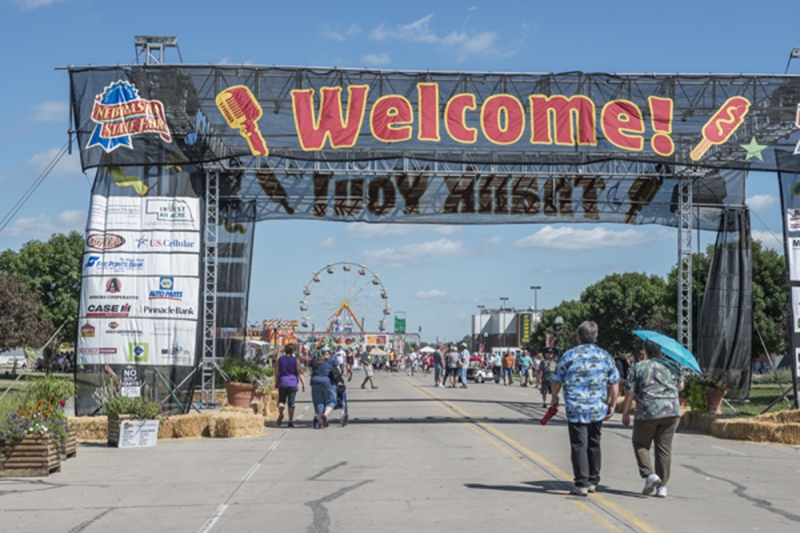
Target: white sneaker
point(661, 491)
point(650, 483)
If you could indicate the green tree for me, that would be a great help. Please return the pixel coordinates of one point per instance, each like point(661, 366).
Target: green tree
point(20, 322)
point(572, 311)
point(621, 303)
point(52, 271)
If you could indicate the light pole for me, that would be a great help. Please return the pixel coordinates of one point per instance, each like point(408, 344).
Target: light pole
point(480, 321)
point(559, 323)
point(503, 299)
point(535, 289)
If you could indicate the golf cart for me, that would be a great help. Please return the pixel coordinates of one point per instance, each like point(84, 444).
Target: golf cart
point(478, 372)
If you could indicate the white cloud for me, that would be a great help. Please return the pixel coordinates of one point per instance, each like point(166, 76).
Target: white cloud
point(576, 239)
point(376, 60)
point(462, 44)
point(430, 294)
point(761, 201)
point(44, 225)
point(447, 230)
point(329, 32)
point(33, 4)
point(52, 112)
point(402, 256)
point(768, 239)
point(495, 239)
point(328, 243)
point(69, 165)
point(374, 231)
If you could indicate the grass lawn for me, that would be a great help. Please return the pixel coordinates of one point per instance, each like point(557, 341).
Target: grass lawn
point(760, 397)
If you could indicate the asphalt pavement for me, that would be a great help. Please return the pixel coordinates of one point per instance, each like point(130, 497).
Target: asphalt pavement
point(413, 458)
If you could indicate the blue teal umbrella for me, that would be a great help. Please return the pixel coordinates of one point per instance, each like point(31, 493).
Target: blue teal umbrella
point(671, 348)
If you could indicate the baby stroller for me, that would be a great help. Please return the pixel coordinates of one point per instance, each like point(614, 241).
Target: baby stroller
point(341, 402)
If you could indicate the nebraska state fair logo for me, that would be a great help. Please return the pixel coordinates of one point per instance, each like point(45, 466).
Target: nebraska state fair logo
point(120, 114)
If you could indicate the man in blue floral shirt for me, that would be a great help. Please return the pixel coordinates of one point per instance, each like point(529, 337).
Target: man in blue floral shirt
point(590, 381)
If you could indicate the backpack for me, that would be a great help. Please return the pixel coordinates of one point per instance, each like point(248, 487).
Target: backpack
point(336, 375)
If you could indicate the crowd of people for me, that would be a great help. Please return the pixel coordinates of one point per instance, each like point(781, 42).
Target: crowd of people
point(586, 376)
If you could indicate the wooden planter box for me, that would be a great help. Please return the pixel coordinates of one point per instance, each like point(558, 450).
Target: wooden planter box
point(33, 456)
point(70, 449)
point(113, 429)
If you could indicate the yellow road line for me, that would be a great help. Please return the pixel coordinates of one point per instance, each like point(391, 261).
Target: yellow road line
point(644, 526)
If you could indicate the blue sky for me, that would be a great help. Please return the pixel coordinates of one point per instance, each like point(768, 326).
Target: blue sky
point(436, 274)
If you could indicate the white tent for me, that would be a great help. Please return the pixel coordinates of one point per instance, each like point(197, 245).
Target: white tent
point(427, 349)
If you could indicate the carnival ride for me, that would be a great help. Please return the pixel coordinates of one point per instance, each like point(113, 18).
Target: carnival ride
point(343, 296)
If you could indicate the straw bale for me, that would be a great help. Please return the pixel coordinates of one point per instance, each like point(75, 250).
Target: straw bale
point(90, 428)
point(788, 434)
point(620, 402)
point(782, 417)
point(744, 429)
point(192, 425)
point(235, 424)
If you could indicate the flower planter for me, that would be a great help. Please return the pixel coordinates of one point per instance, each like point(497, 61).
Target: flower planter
point(240, 394)
point(714, 398)
point(33, 456)
point(69, 449)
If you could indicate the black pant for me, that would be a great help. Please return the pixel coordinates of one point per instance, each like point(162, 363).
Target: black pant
point(584, 440)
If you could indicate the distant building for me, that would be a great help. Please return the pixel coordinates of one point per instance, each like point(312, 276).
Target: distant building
point(501, 328)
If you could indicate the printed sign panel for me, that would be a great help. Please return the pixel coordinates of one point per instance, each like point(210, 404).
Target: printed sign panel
point(124, 297)
point(142, 241)
point(132, 264)
point(137, 433)
point(118, 213)
point(136, 341)
point(793, 258)
point(218, 112)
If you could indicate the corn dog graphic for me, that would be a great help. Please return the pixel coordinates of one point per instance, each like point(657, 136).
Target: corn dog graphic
point(128, 181)
point(722, 124)
point(241, 111)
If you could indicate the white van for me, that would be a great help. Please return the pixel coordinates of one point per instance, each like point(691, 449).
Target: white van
point(502, 351)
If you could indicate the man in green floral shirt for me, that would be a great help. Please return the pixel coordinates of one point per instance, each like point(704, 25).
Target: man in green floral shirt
point(655, 383)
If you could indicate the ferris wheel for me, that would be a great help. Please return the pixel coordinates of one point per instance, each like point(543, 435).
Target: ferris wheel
point(342, 296)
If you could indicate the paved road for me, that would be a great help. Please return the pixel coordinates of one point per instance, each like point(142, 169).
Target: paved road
point(414, 458)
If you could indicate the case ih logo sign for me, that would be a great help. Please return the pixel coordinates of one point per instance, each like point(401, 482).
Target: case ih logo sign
point(104, 241)
point(120, 114)
point(109, 310)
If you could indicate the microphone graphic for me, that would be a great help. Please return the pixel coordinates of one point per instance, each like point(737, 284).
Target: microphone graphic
point(241, 111)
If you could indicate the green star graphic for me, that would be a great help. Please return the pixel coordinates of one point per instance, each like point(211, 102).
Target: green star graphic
point(753, 149)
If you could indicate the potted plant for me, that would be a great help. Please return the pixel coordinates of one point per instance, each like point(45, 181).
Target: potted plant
point(122, 409)
point(704, 394)
point(243, 378)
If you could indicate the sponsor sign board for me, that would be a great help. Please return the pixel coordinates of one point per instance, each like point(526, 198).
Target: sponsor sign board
point(132, 264)
point(138, 341)
point(143, 241)
point(123, 297)
point(119, 213)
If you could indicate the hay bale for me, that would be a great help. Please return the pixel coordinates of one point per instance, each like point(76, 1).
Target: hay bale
point(192, 425)
point(620, 402)
point(230, 424)
point(788, 434)
point(90, 428)
point(782, 417)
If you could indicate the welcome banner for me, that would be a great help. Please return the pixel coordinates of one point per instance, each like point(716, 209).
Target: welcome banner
point(168, 114)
